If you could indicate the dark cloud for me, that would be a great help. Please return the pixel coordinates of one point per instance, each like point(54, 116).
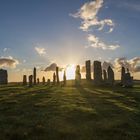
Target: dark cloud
point(51, 67)
point(8, 62)
point(133, 64)
point(106, 65)
point(137, 69)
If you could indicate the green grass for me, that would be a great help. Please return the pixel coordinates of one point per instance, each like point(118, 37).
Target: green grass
point(69, 113)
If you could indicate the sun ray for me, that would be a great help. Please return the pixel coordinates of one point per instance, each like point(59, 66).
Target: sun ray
point(70, 71)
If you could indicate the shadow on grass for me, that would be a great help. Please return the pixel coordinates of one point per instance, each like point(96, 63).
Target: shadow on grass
point(67, 113)
point(116, 114)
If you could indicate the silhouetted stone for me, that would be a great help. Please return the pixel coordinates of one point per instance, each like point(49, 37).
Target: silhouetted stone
point(64, 78)
point(24, 80)
point(54, 78)
point(110, 76)
point(34, 75)
point(48, 82)
point(105, 76)
point(97, 73)
point(30, 80)
point(128, 80)
point(77, 75)
point(43, 80)
point(57, 75)
point(122, 75)
point(3, 76)
point(38, 81)
point(88, 70)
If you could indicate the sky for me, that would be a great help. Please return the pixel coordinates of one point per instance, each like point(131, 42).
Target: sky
point(66, 32)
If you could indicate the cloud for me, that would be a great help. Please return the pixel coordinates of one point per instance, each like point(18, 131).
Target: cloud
point(40, 50)
point(88, 13)
point(95, 42)
point(8, 62)
point(110, 30)
point(137, 69)
point(105, 65)
point(51, 67)
point(133, 64)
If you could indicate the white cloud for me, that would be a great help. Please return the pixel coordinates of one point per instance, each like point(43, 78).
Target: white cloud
point(89, 10)
point(8, 62)
point(40, 50)
point(88, 13)
point(95, 42)
point(110, 30)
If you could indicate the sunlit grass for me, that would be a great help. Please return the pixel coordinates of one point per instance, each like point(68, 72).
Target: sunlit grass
point(86, 112)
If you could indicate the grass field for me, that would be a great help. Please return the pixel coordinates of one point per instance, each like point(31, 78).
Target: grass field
point(69, 113)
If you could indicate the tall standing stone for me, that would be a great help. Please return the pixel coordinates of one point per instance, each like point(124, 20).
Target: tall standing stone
point(54, 78)
point(30, 80)
point(97, 73)
point(43, 80)
point(64, 78)
point(88, 70)
point(24, 80)
point(105, 75)
point(77, 75)
point(128, 80)
point(57, 75)
point(38, 81)
point(110, 76)
point(122, 75)
point(34, 75)
point(48, 82)
point(3, 76)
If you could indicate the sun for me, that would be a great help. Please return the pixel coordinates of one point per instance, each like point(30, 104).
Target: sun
point(70, 71)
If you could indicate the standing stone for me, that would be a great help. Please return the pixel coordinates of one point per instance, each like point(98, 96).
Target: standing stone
point(57, 75)
point(122, 75)
point(110, 76)
point(128, 79)
point(88, 70)
point(24, 80)
point(48, 82)
point(38, 81)
point(3, 76)
point(34, 75)
point(77, 75)
point(64, 78)
point(105, 75)
point(54, 78)
point(97, 73)
point(30, 80)
point(43, 80)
